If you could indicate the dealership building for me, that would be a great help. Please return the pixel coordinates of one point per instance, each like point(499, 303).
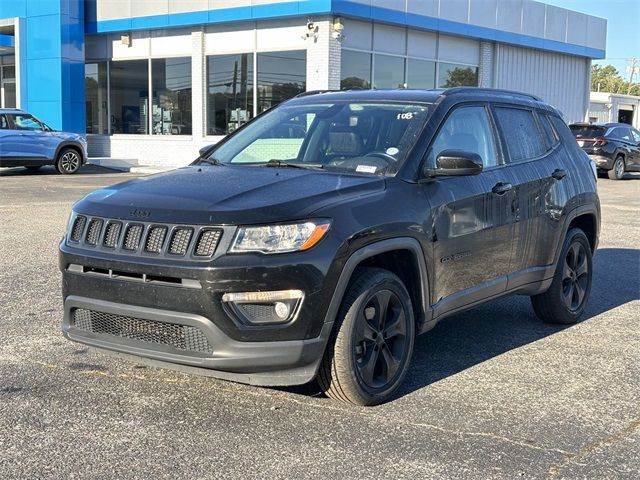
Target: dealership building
point(152, 81)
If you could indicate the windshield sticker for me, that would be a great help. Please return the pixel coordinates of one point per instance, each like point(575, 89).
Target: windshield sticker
point(405, 116)
point(392, 151)
point(366, 168)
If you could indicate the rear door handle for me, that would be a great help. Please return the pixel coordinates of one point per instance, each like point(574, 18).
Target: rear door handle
point(501, 188)
point(559, 174)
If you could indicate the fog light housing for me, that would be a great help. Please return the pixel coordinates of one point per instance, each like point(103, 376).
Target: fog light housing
point(263, 308)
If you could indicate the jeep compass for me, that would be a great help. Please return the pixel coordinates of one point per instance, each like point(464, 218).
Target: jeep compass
point(319, 251)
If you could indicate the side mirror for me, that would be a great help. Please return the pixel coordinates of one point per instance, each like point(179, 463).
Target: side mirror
point(456, 163)
point(203, 151)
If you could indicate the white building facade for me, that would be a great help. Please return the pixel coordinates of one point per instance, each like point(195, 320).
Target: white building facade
point(164, 78)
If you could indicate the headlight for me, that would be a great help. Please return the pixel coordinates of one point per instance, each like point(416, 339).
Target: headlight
point(280, 238)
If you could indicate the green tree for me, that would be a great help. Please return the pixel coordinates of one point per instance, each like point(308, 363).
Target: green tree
point(607, 79)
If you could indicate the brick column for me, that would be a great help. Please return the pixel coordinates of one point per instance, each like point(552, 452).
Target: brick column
point(198, 86)
point(323, 57)
point(485, 70)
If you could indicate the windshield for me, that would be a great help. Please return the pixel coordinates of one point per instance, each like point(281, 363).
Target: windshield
point(367, 138)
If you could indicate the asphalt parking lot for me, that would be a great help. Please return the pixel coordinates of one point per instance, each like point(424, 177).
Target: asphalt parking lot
point(492, 393)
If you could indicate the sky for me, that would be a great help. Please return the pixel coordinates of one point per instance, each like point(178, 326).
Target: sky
point(623, 27)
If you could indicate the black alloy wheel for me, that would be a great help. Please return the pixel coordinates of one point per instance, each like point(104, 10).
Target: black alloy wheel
point(382, 340)
point(567, 296)
point(370, 350)
point(575, 276)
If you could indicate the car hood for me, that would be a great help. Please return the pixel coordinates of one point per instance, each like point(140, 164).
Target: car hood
point(227, 195)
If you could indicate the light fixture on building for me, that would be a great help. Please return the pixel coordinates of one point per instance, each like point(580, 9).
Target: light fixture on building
point(125, 39)
point(336, 29)
point(312, 31)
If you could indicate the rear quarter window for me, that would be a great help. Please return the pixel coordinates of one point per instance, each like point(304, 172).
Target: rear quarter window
point(550, 135)
point(522, 136)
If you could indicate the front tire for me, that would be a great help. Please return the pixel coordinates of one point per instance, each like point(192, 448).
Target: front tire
point(617, 172)
point(568, 294)
point(371, 347)
point(68, 161)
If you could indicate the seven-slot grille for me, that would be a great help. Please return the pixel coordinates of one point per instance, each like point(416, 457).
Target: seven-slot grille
point(112, 234)
point(207, 243)
point(180, 337)
point(180, 240)
point(155, 239)
point(149, 238)
point(93, 231)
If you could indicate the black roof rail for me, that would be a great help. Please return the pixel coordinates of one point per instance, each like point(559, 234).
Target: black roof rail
point(513, 93)
point(314, 92)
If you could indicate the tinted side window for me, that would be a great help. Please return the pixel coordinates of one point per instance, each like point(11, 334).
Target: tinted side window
point(522, 136)
point(550, 134)
point(4, 122)
point(469, 129)
point(622, 132)
point(26, 122)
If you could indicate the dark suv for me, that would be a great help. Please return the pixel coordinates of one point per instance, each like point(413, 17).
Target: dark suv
point(276, 260)
point(614, 147)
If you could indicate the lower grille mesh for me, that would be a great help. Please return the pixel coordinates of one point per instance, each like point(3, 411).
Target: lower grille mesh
point(181, 337)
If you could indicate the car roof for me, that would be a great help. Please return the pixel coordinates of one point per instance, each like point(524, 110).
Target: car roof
point(11, 110)
point(424, 96)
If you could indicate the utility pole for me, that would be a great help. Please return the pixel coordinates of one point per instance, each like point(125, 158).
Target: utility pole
point(633, 61)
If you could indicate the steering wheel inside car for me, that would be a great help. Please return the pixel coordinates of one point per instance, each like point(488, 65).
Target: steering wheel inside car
point(382, 155)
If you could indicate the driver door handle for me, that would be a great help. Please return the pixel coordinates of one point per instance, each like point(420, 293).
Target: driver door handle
point(501, 188)
point(559, 174)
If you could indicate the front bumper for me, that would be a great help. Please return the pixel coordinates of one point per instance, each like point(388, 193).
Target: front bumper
point(292, 362)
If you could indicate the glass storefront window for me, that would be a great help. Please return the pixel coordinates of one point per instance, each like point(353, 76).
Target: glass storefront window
point(281, 75)
point(388, 71)
point(355, 72)
point(171, 101)
point(421, 73)
point(129, 81)
point(95, 86)
point(454, 75)
point(229, 92)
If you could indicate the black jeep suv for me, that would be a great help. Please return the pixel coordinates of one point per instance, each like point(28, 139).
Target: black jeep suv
point(319, 252)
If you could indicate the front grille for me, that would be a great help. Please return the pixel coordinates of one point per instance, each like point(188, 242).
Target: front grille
point(180, 241)
point(207, 242)
point(112, 234)
point(93, 231)
point(180, 337)
point(78, 228)
point(132, 237)
point(155, 239)
point(193, 242)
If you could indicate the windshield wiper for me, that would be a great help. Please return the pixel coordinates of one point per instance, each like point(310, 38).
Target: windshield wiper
point(282, 164)
point(210, 160)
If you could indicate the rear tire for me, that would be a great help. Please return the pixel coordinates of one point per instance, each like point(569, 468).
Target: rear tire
point(68, 161)
point(370, 349)
point(565, 300)
point(617, 172)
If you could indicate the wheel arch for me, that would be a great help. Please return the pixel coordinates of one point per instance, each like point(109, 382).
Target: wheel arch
point(404, 257)
point(73, 145)
point(584, 217)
